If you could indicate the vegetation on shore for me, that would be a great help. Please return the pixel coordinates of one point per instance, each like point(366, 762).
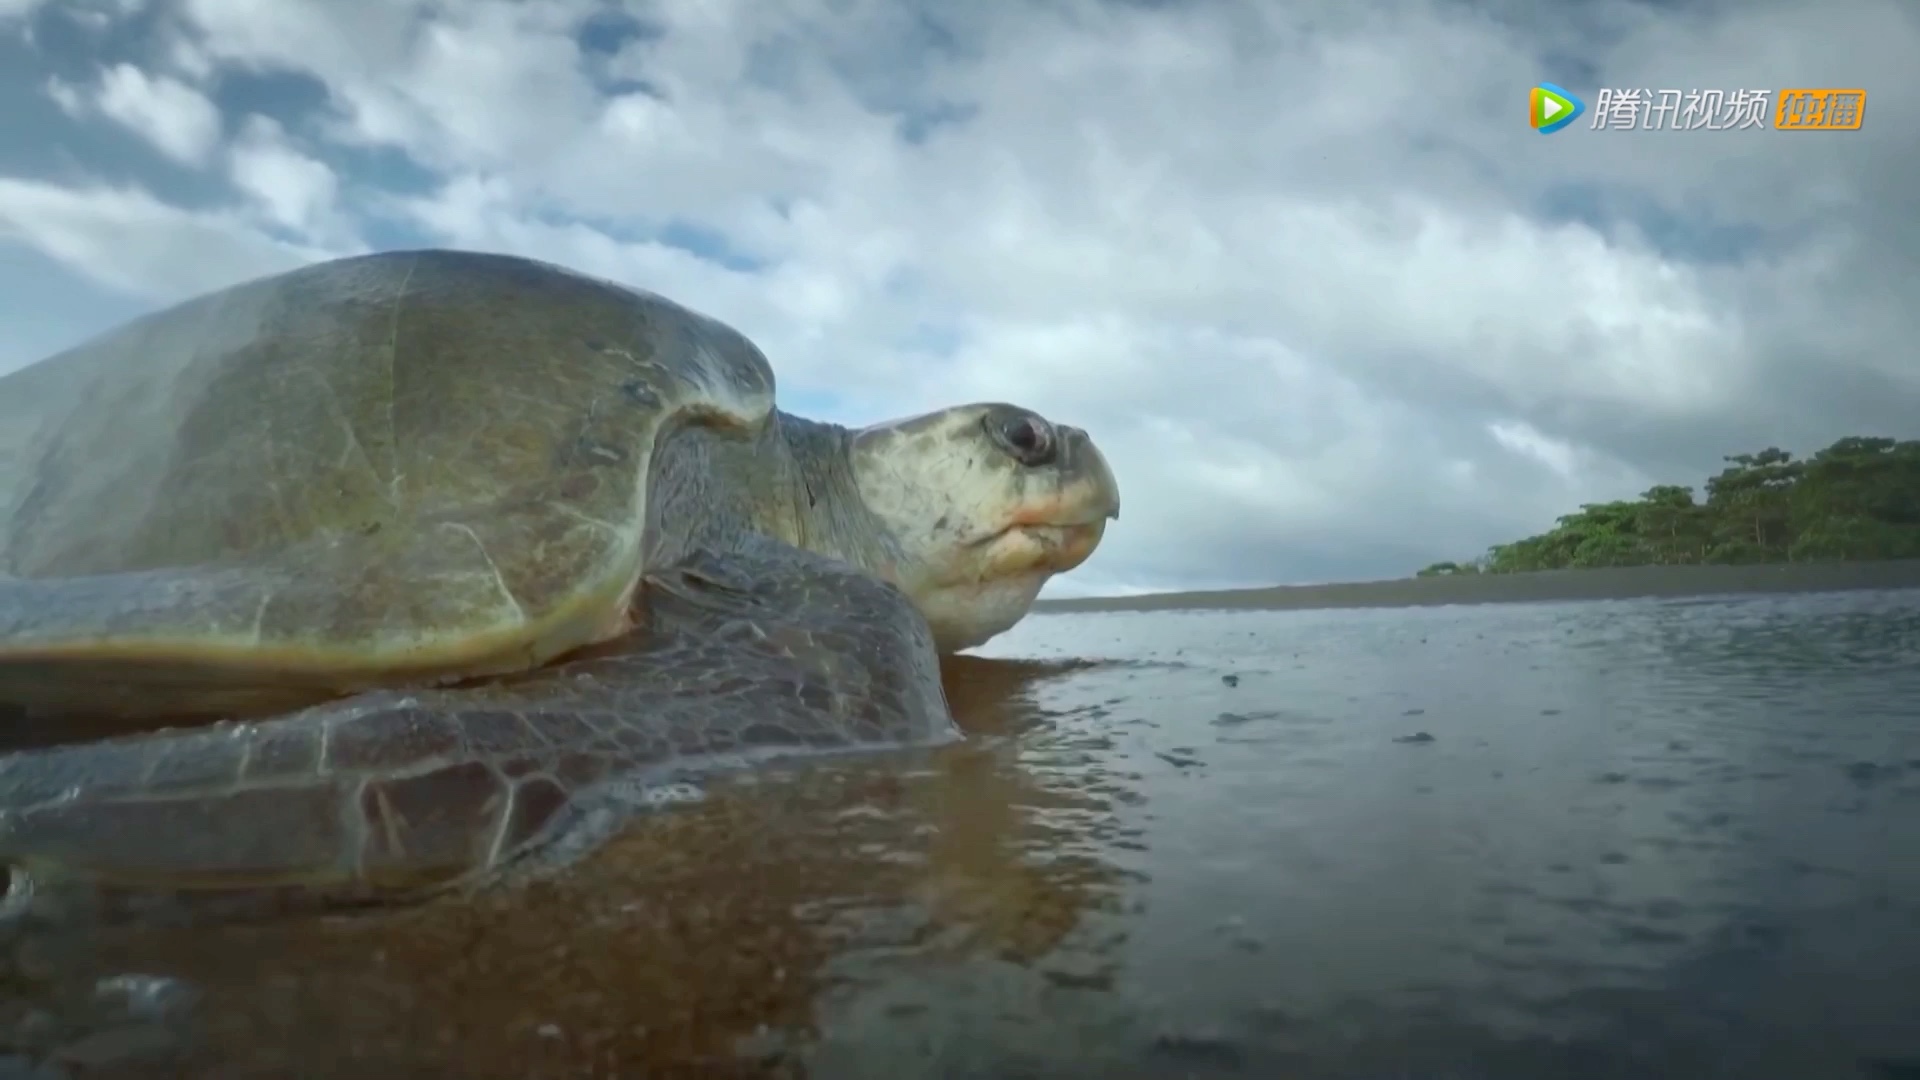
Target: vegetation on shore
point(1857, 499)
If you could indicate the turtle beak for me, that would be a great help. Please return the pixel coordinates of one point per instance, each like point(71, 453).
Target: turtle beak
point(1087, 468)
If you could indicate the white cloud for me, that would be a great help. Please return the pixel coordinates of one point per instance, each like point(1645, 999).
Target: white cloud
point(1528, 441)
point(67, 96)
point(184, 55)
point(133, 243)
point(292, 190)
point(1327, 303)
point(178, 120)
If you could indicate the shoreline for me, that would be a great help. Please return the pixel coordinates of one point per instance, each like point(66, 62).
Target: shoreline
point(1610, 583)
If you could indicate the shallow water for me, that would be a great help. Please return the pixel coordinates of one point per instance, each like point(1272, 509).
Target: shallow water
point(1639, 838)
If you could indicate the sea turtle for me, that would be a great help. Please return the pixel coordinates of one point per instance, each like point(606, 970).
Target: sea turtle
point(436, 548)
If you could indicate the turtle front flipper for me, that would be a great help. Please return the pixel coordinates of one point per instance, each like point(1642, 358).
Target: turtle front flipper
point(747, 655)
point(372, 793)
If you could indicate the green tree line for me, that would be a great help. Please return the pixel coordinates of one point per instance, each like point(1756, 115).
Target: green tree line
point(1857, 499)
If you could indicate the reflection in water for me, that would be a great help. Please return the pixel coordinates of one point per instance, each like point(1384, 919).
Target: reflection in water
point(1639, 839)
point(693, 931)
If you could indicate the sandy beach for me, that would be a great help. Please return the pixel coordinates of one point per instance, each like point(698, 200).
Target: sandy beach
point(1606, 584)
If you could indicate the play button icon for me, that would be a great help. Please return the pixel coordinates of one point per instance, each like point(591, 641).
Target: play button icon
point(1550, 108)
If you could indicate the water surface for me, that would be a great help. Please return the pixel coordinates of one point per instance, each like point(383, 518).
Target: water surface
point(1602, 839)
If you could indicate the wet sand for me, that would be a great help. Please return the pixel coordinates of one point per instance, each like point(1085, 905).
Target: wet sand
point(698, 943)
point(1544, 587)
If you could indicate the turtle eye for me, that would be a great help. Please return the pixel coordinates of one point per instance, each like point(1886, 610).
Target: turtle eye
point(1027, 437)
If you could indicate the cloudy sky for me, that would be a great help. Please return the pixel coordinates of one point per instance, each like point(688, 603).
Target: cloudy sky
point(1330, 306)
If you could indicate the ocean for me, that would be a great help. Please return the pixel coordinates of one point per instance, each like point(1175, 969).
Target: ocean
point(1636, 838)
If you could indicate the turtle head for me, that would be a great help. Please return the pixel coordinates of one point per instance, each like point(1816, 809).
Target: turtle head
point(984, 503)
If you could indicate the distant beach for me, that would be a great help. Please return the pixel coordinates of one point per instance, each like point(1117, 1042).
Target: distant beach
point(1621, 583)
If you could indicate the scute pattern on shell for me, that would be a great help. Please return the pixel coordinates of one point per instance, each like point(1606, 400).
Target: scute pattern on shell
point(758, 653)
point(430, 460)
